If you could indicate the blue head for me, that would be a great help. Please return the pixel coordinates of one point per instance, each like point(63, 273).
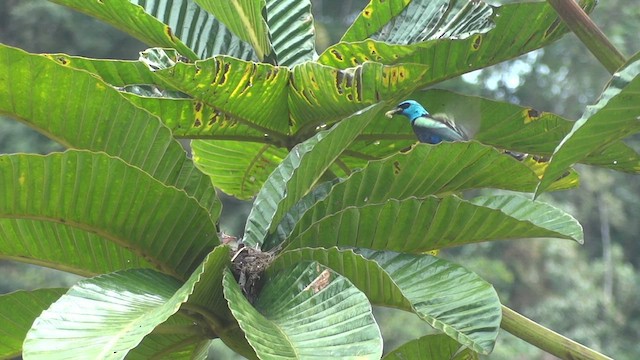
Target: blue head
point(409, 108)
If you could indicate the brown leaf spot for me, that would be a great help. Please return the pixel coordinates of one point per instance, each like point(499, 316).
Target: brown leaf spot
point(531, 115)
point(225, 71)
point(320, 282)
point(396, 167)
point(477, 41)
point(336, 54)
point(198, 106)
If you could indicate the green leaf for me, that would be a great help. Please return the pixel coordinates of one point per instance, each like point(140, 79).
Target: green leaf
point(320, 94)
point(447, 296)
point(65, 248)
point(539, 214)
point(419, 225)
point(291, 31)
point(431, 347)
point(106, 316)
point(176, 338)
point(207, 309)
point(132, 19)
point(307, 311)
point(189, 29)
point(407, 22)
point(114, 72)
point(252, 93)
point(538, 26)
point(614, 116)
point(299, 171)
point(109, 198)
point(17, 312)
point(237, 168)
point(424, 170)
point(44, 94)
point(190, 118)
point(244, 19)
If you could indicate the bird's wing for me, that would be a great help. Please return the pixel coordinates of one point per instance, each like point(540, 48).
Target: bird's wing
point(441, 126)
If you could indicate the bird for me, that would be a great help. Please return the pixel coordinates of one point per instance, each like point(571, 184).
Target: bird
point(430, 129)
point(434, 129)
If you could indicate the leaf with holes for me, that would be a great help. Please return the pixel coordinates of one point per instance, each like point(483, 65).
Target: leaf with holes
point(450, 56)
point(408, 22)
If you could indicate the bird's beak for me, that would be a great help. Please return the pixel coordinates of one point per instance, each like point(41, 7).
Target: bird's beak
point(390, 113)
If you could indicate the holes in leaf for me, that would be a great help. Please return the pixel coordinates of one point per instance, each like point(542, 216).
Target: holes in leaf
point(396, 167)
point(477, 41)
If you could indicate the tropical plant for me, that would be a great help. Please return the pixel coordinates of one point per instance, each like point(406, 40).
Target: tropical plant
point(345, 207)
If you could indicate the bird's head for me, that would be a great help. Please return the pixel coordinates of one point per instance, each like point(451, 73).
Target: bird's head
point(409, 108)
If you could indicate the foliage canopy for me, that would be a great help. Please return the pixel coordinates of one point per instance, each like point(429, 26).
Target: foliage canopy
point(346, 204)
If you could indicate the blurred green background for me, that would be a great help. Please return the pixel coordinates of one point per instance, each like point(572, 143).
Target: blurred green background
point(588, 293)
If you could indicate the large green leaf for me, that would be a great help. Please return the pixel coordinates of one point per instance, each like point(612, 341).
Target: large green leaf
point(447, 296)
point(424, 170)
point(190, 118)
point(106, 316)
point(431, 347)
point(307, 311)
point(44, 94)
point(65, 248)
point(111, 199)
point(538, 25)
point(208, 316)
point(179, 24)
point(237, 168)
point(244, 19)
point(320, 94)
point(419, 225)
point(17, 312)
point(252, 93)
point(186, 117)
point(115, 72)
point(291, 31)
point(179, 337)
point(614, 116)
point(407, 22)
point(300, 170)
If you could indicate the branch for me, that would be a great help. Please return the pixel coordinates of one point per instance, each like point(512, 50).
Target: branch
point(589, 33)
point(546, 339)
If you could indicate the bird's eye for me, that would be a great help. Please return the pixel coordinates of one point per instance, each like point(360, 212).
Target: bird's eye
point(404, 105)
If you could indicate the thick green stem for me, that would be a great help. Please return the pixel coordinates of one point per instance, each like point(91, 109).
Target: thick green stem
point(589, 33)
point(546, 339)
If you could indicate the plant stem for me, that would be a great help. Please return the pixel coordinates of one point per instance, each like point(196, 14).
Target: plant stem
point(546, 339)
point(589, 33)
